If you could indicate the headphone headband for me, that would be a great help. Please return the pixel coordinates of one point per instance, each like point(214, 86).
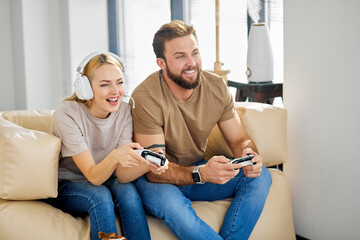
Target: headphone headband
point(87, 59)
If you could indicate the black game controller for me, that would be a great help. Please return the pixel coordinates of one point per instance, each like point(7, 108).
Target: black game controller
point(245, 161)
point(156, 158)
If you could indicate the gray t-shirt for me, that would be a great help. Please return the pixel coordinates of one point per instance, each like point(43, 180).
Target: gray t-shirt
point(79, 131)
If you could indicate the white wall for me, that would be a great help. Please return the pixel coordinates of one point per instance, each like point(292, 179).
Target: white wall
point(42, 42)
point(321, 89)
point(88, 29)
point(7, 83)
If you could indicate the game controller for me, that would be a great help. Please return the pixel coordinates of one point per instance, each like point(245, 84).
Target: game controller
point(156, 158)
point(245, 161)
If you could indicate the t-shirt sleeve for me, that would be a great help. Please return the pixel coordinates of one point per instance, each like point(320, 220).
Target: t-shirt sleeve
point(229, 109)
point(146, 115)
point(66, 126)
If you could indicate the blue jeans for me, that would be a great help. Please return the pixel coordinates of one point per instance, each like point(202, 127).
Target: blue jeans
point(82, 198)
point(172, 204)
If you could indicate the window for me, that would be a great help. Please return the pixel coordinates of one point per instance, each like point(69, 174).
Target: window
point(232, 34)
point(233, 27)
point(140, 19)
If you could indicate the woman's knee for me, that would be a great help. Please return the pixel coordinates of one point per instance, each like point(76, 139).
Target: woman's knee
point(127, 190)
point(101, 195)
point(126, 196)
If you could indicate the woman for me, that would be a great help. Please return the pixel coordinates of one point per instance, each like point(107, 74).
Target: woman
point(98, 160)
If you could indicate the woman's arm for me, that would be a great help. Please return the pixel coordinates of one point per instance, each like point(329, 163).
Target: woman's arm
point(132, 164)
point(127, 174)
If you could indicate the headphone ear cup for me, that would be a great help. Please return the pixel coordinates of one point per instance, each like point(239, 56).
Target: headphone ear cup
point(83, 88)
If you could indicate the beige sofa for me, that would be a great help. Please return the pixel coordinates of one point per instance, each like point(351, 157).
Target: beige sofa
point(28, 172)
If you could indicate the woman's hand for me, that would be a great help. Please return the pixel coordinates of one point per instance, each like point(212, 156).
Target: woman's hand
point(127, 157)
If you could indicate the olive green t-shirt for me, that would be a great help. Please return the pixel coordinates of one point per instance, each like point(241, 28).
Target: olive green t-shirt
point(186, 124)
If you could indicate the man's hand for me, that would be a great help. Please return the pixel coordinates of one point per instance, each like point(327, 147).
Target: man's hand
point(253, 171)
point(158, 170)
point(217, 171)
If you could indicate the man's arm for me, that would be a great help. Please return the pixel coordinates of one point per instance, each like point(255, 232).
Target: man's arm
point(214, 171)
point(240, 143)
point(175, 174)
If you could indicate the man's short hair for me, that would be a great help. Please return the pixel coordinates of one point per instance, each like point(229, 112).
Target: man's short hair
point(169, 31)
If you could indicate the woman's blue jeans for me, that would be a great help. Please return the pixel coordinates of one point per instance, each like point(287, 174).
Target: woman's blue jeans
point(172, 204)
point(81, 198)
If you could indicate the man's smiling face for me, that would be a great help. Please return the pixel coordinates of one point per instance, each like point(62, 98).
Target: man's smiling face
point(183, 61)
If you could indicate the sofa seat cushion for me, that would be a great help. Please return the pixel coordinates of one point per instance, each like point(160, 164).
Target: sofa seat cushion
point(29, 161)
point(38, 220)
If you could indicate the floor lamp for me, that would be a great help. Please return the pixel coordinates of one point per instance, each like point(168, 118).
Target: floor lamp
point(217, 64)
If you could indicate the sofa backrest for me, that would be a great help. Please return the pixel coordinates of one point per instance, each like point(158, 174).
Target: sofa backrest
point(266, 125)
point(29, 153)
point(35, 120)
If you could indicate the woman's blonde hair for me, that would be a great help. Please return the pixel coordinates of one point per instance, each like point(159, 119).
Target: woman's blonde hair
point(89, 70)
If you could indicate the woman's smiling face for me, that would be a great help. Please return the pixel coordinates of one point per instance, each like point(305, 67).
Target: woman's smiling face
point(108, 87)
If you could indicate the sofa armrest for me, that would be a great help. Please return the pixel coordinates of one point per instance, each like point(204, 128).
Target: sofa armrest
point(266, 125)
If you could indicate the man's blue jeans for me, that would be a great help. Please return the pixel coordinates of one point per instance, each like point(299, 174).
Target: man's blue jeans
point(80, 198)
point(172, 204)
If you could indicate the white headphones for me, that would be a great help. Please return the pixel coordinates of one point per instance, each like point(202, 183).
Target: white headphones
point(82, 84)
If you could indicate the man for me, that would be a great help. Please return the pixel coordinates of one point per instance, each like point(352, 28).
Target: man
point(176, 109)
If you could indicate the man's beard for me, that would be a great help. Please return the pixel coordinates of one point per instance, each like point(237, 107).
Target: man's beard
point(179, 80)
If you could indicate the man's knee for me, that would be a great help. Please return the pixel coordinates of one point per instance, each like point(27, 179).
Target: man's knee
point(164, 200)
point(265, 177)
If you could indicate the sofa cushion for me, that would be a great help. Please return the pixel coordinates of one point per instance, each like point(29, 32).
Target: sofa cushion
point(266, 125)
point(28, 162)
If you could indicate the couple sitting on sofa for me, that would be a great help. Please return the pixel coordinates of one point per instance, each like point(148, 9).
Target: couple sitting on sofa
point(100, 171)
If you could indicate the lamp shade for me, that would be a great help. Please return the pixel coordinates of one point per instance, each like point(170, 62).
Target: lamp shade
point(260, 59)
